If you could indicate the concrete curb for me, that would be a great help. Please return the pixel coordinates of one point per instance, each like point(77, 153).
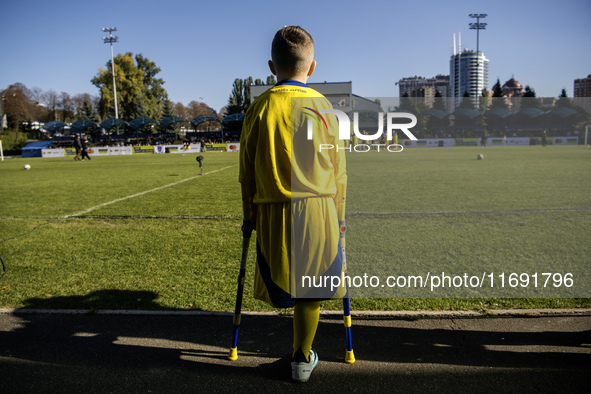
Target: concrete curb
point(363, 314)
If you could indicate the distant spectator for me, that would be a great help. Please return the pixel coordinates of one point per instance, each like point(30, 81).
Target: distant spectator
point(484, 139)
point(85, 150)
point(78, 147)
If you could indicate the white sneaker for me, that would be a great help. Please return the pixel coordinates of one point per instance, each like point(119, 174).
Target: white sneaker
point(300, 372)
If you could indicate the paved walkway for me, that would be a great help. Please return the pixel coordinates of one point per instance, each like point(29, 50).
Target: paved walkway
point(527, 351)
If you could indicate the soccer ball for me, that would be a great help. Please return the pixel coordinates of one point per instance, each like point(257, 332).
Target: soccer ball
point(27, 167)
point(480, 156)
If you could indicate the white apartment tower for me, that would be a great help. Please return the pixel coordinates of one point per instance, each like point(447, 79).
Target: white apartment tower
point(468, 72)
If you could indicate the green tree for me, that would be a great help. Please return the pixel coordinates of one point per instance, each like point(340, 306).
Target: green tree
point(128, 85)
point(133, 82)
point(240, 98)
point(498, 100)
point(422, 121)
point(438, 102)
point(530, 98)
point(464, 118)
point(140, 109)
point(466, 101)
point(434, 122)
point(405, 104)
point(247, 96)
point(563, 100)
point(498, 89)
point(484, 101)
point(153, 92)
point(379, 102)
point(529, 92)
point(236, 99)
point(167, 109)
point(13, 142)
point(87, 110)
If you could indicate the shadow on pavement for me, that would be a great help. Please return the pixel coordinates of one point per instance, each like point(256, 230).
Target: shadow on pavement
point(96, 352)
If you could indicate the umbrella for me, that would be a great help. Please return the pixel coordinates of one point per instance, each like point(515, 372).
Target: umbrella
point(499, 112)
point(108, 124)
point(54, 126)
point(167, 122)
point(83, 124)
point(562, 112)
point(468, 113)
point(233, 118)
point(139, 122)
point(531, 112)
point(232, 122)
point(202, 119)
point(439, 114)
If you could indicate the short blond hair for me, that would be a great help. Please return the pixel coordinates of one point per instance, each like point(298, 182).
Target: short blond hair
point(292, 50)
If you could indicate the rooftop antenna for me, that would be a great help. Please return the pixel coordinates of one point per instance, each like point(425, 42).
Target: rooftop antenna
point(478, 26)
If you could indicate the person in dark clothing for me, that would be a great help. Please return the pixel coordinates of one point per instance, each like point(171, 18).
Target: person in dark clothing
point(484, 138)
point(85, 150)
point(78, 147)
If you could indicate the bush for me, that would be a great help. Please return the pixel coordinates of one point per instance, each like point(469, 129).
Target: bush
point(12, 142)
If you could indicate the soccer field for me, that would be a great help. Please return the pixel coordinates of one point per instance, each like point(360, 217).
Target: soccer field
point(149, 232)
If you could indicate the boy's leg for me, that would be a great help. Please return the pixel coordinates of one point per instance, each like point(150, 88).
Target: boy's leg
point(305, 322)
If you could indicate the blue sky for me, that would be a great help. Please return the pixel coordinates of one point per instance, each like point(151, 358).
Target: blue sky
point(202, 47)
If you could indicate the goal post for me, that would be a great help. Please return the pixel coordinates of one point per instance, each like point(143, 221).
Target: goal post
point(587, 128)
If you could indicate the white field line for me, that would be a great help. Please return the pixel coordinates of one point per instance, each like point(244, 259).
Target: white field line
point(142, 193)
point(352, 214)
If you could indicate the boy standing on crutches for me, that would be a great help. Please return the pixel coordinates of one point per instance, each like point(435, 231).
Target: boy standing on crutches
point(296, 198)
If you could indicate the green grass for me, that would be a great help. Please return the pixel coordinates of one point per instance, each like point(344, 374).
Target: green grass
point(178, 247)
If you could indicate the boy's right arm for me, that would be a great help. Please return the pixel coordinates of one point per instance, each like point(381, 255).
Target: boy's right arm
point(248, 208)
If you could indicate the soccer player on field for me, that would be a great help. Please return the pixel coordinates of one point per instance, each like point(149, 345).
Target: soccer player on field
point(293, 191)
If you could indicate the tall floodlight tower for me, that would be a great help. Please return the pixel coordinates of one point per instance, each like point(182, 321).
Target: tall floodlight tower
point(478, 26)
point(110, 40)
point(468, 68)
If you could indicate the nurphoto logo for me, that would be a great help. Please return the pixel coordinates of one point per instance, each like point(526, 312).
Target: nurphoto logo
point(345, 129)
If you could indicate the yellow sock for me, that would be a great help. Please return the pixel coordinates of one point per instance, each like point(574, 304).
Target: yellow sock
point(305, 322)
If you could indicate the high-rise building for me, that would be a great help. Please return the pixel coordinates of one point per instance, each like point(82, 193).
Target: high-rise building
point(468, 73)
point(583, 87)
point(438, 83)
point(582, 93)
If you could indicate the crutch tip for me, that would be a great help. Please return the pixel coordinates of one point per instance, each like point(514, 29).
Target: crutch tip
point(233, 354)
point(349, 357)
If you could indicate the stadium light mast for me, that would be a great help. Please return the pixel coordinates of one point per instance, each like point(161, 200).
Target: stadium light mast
point(111, 39)
point(478, 26)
